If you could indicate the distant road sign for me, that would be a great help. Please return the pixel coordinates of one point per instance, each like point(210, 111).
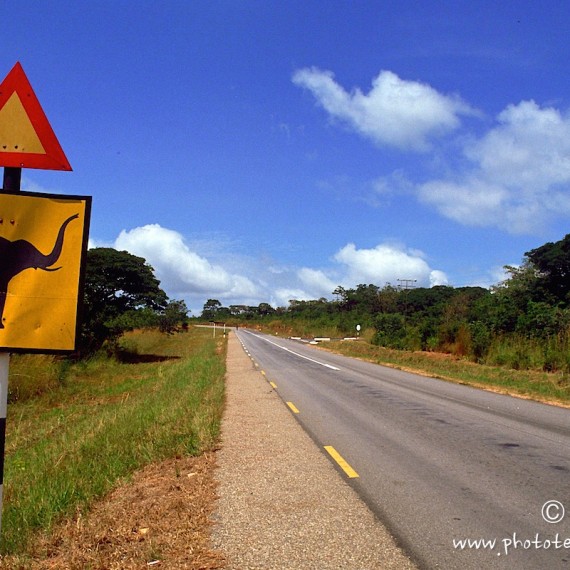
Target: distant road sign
point(26, 137)
point(43, 240)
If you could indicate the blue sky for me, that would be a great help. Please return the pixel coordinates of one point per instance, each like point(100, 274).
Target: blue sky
point(265, 151)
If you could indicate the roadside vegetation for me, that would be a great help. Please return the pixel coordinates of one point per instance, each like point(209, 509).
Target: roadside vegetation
point(77, 429)
point(549, 387)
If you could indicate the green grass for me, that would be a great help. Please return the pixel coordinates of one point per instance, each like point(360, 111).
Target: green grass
point(79, 437)
point(535, 384)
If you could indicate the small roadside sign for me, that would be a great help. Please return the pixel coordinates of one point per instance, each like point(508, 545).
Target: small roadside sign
point(26, 137)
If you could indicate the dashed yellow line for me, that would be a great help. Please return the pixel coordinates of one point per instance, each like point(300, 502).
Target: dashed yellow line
point(273, 385)
point(293, 407)
point(350, 472)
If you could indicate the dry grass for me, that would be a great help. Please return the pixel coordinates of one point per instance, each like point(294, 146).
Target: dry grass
point(160, 519)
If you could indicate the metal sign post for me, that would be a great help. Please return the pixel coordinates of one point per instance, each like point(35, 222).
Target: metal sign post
point(12, 177)
point(4, 369)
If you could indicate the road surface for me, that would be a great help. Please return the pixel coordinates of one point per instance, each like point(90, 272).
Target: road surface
point(463, 478)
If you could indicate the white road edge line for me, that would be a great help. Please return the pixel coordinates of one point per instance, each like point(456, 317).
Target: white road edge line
point(295, 353)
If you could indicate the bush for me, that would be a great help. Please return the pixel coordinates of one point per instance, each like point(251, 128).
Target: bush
point(480, 340)
point(390, 330)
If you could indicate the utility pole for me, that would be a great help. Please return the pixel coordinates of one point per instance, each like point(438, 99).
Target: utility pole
point(407, 283)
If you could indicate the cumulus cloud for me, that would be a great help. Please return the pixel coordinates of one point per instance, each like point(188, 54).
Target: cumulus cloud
point(437, 277)
point(282, 296)
point(518, 176)
point(179, 269)
point(352, 266)
point(395, 112)
point(184, 274)
point(386, 263)
point(317, 282)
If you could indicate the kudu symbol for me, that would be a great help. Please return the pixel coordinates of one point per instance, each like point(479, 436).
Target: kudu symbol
point(17, 256)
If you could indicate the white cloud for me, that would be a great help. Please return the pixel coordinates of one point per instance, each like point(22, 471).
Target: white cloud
point(317, 282)
point(437, 277)
point(395, 112)
point(184, 274)
point(518, 177)
point(91, 243)
point(181, 270)
point(474, 202)
point(529, 147)
point(282, 296)
point(386, 263)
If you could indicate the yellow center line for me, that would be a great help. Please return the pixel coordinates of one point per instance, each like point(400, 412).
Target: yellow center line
point(293, 408)
point(350, 472)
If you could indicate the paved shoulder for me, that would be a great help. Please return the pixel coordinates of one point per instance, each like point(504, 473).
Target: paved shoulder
point(282, 504)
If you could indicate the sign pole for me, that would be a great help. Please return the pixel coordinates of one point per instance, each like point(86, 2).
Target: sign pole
point(12, 179)
point(4, 369)
point(11, 182)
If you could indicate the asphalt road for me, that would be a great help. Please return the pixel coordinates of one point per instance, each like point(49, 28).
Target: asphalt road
point(441, 465)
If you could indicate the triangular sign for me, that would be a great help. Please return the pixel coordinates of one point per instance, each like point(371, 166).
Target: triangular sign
point(26, 137)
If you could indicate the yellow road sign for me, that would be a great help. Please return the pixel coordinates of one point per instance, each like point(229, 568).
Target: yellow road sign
point(43, 240)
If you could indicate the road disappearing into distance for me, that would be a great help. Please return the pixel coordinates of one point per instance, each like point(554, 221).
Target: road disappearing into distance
point(463, 478)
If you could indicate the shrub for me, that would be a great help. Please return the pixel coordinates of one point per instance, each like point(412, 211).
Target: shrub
point(390, 330)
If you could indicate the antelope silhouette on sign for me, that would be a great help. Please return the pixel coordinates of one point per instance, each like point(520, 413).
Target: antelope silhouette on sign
point(17, 256)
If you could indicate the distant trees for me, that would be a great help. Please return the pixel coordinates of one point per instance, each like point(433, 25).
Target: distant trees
point(214, 311)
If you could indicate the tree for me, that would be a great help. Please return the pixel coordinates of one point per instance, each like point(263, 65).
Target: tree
point(211, 310)
point(390, 330)
point(364, 299)
point(265, 309)
point(552, 261)
point(119, 287)
point(509, 300)
point(175, 314)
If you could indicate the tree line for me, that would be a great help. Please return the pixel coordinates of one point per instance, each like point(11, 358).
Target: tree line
point(523, 322)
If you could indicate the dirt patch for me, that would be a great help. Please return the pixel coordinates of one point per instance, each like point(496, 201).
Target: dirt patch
point(162, 518)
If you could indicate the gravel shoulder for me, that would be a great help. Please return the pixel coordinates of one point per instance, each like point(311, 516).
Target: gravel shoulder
point(282, 505)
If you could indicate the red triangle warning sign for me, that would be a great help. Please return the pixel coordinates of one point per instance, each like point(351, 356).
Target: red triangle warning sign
point(26, 137)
